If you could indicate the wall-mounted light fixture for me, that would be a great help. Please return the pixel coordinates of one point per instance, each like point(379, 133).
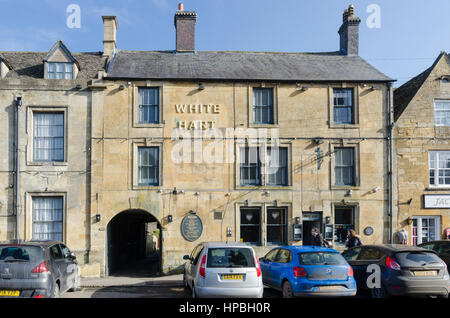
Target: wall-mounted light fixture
point(192, 212)
point(122, 87)
point(79, 86)
point(297, 220)
point(19, 101)
point(349, 193)
point(327, 220)
point(409, 220)
point(201, 86)
point(170, 218)
point(98, 218)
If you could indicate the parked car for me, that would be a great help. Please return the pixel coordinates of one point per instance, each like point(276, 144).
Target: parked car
point(307, 271)
point(37, 270)
point(404, 270)
point(442, 248)
point(223, 270)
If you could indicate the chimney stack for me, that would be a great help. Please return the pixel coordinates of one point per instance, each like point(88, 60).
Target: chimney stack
point(110, 27)
point(349, 32)
point(185, 28)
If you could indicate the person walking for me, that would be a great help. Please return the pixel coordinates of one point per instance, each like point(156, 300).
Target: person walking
point(352, 239)
point(318, 238)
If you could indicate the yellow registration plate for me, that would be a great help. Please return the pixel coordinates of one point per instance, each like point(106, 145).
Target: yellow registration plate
point(425, 273)
point(232, 277)
point(330, 287)
point(9, 293)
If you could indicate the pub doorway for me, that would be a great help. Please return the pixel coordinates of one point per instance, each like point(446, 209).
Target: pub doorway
point(310, 221)
point(134, 245)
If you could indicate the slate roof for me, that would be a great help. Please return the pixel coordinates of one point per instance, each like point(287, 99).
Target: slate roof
point(243, 66)
point(405, 93)
point(31, 64)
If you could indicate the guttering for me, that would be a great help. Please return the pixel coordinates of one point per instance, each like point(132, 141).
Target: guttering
point(390, 150)
point(18, 104)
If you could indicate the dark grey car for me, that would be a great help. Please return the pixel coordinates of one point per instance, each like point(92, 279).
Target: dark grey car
point(404, 270)
point(37, 270)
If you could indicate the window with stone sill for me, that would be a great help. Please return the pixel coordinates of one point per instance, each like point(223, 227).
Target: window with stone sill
point(148, 166)
point(48, 137)
point(344, 166)
point(343, 106)
point(442, 113)
point(263, 106)
point(439, 173)
point(148, 105)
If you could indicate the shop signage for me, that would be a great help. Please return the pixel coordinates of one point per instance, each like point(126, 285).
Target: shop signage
point(198, 109)
point(436, 201)
point(191, 227)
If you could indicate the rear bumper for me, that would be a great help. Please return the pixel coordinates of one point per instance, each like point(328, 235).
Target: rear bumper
point(438, 287)
point(28, 288)
point(211, 292)
point(311, 289)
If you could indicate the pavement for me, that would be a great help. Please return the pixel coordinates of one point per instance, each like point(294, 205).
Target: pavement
point(114, 281)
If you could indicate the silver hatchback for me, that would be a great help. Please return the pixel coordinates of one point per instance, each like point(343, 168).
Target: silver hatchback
point(223, 270)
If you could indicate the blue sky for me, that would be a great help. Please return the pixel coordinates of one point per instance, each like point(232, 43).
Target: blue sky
point(411, 36)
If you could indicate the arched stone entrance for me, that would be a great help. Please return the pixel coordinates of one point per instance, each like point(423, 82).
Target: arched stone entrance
point(134, 245)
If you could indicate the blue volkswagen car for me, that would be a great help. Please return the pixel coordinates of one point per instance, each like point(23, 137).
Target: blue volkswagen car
point(308, 271)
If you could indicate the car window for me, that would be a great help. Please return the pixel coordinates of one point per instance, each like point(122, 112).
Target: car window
point(197, 255)
point(429, 246)
point(444, 250)
point(270, 257)
point(417, 259)
point(10, 253)
point(230, 257)
point(55, 252)
point(369, 254)
point(352, 254)
point(284, 256)
point(321, 258)
point(65, 250)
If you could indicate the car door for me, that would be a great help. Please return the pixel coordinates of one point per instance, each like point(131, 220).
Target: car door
point(351, 256)
point(266, 266)
point(70, 271)
point(283, 266)
point(195, 262)
point(57, 259)
point(367, 256)
point(188, 265)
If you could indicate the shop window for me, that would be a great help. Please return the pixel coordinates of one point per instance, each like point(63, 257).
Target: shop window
point(425, 229)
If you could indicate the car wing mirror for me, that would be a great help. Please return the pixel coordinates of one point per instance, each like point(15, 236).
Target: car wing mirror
point(186, 257)
point(72, 256)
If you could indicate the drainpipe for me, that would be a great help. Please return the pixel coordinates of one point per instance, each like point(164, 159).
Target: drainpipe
point(391, 151)
point(18, 104)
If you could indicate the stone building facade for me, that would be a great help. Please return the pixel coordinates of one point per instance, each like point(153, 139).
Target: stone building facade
point(422, 144)
point(194, 146)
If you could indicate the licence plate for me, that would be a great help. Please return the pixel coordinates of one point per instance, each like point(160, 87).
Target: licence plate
point(9, 293)
point(425, 273)
point(330, 287)
point(232, 277)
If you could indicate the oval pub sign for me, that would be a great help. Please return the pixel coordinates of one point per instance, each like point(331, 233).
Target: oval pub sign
point(191, 227)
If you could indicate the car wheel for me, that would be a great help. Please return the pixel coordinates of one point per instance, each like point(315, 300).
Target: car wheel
point(287, 290)
point(379, 292)
point(55, 291)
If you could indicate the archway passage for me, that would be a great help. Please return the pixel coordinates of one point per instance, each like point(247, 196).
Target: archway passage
point(134, 245)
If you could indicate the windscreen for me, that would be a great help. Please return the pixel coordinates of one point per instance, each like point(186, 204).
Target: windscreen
point(321, 258)
point(13, 253)
point(230, 257)
point(417, 259)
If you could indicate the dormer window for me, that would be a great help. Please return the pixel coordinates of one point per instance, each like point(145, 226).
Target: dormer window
point(57, 70)
point(60, 63)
